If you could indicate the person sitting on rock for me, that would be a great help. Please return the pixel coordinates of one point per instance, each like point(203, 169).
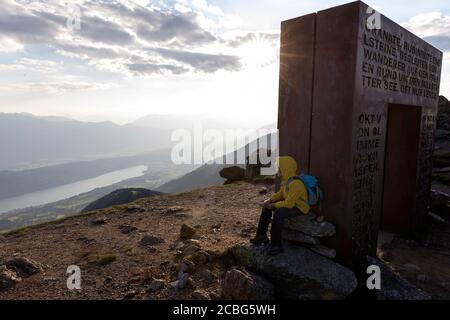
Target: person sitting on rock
point(291, 200)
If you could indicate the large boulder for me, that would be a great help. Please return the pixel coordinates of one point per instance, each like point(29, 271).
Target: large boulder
point(309, 225)
point(245, 285)
point(394, 287)
point(308, 230)
point(232, 174)
point(24, 267)
point(439, 202)
point(298, 273)
point(8, 278)
point(299, 237)
point(253, 164)
point(324, 251)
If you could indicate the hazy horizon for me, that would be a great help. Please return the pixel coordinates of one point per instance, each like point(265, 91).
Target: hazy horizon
point(248, 123)
point(132, 58)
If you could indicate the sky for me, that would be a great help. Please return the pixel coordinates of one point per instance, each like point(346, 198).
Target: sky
point(102, 60)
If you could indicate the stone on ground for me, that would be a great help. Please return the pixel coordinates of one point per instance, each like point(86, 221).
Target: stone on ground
point(149, 240)
point(187, 232)
point(156, 285)
point(232, 174)
point(99, 221)
point(298, 270)
point(126, 228)
point(174, 209)
point(24, 267)
point(8, 278)
point(200, 295)
point(245, 285)
point(324, 251)
point(299, 237)
point(308, 224)
point(394, 287)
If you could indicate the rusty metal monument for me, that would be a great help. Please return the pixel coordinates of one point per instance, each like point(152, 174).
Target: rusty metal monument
point(357, 109)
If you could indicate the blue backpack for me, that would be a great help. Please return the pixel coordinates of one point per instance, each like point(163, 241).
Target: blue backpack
point(315, 194)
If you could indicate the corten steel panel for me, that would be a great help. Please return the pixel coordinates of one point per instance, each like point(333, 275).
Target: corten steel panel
point(331, 135)
point(295, 88)
point(391, 68)
point(349, 118)
point(400, 167)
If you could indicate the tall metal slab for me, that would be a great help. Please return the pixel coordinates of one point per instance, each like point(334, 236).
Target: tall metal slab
point(346, 87)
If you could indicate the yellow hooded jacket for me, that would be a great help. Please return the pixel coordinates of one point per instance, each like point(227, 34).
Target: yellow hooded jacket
point(297, 195)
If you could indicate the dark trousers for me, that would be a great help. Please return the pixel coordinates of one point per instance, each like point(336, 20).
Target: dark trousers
point(277, 222)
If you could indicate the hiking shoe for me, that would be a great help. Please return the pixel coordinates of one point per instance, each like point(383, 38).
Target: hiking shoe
point(258, 240)
point(274, 250)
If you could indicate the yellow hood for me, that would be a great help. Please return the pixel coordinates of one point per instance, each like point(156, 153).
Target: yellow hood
point(288, 167)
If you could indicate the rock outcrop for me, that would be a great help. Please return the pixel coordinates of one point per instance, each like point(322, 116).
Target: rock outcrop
point(24, 267)
point(394, 287)
point(13, 270)
point(245, 285)
point(439, 202)
point(232, 174)
point(298, 273)
point(309, 225)
point(8, 278)
point(307, 230)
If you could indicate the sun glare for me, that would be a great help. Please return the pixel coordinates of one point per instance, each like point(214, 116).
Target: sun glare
point(259, 53)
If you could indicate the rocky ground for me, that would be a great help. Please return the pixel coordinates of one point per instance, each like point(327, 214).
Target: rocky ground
point(178, 247)
point(424, 261)
point(135, 251)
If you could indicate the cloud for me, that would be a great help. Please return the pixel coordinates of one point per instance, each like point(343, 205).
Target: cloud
point(441, 42)
point(181, 28)
point(185, 36)
point(9, 45)
point(32, 65)
point(154, 68)
point(57, 87)
point(99, 30)
point(207, 8)
point(208, 63)
point(433, 27)
point(87, 51)
point(239, 40)
point(27, 28)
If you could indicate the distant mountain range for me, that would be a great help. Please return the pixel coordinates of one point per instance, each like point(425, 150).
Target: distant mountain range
point(157, 173)
point(16, 183)
point(28, 141)
point(205, 176)
point(120, 196)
